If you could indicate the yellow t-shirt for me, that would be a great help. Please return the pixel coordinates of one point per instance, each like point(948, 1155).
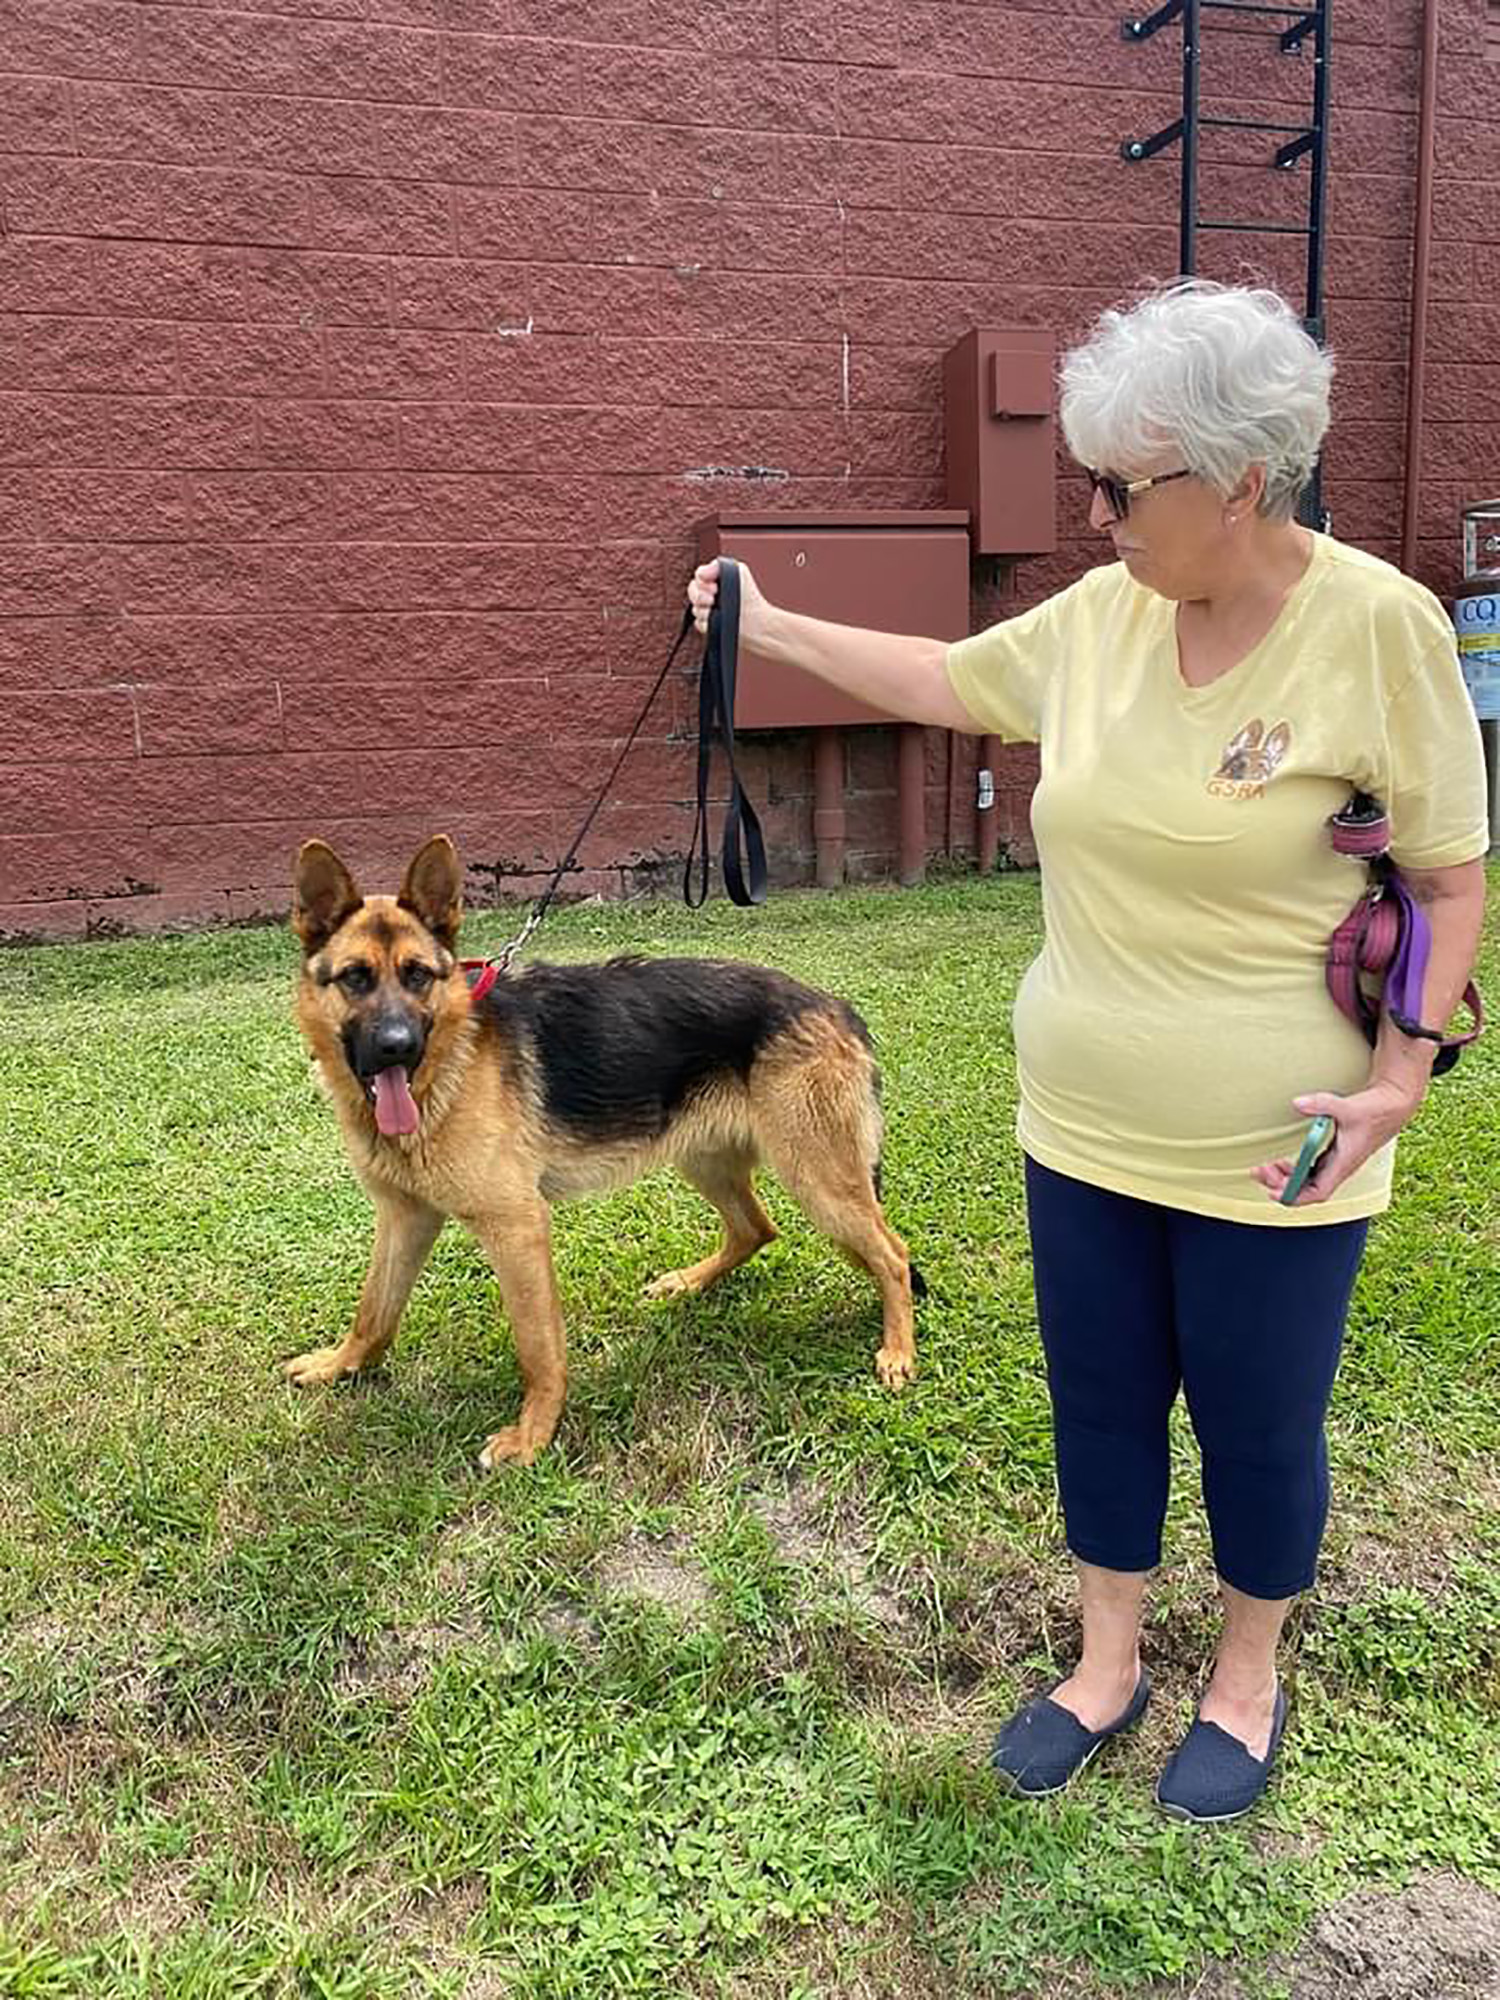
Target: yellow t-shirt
point(1189, 886)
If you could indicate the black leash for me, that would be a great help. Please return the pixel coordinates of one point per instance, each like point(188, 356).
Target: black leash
point(715, 707)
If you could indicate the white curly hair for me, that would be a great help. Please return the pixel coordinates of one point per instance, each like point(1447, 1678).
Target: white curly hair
point(1225, 374)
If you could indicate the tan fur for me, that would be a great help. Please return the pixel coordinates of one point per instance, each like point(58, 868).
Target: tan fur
point(486, 1154)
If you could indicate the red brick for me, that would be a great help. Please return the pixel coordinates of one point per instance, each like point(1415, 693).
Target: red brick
point(729, 27)
point(206, 720)
point(723, 165)
point(793, 442)
point(495, 73)
point(550, 227)
point(361, 60)
point(194, 576)
point(62, 197)
point(444, 145)
point(775, 97)
point(45, 275)
point(84, 355)
point(329, 434)
point(383, 216)
point(42, 923)
point(588, 154)
point(849, 31)
point(154, 916)
point(227, 129)
point(52, 581)
point(252, 361)
point(736, 307)
point(52, 430)
point(316, 290)
point(644, 229)
point(650, 89)
point(484, 437)
point(583, 299)
point(168, 281)
point(116, 794)
point(180, 431)
point(895, 378)
point(109, 506)
point(258, 506)
point(214, 51)
point(69, 37)
point(466, 17)
point(781, 239)
point(405, 365)
point(227, 855)
point(35, 116)
point(385, 576)
point(409, 507)
point(624, 835)
point(538, 368)
point(437, 292)
point(17, 510)
point(813, 167)
point(603, 440)
point(234, 207)
point(54, 723)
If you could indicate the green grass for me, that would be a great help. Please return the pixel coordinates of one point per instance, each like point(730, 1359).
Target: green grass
point(293, 1702)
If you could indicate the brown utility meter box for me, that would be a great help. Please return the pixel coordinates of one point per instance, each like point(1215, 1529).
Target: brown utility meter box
point(890, 570)
point(1001, 438)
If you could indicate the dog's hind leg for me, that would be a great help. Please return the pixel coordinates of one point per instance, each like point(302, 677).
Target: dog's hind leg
point(819, 1127)
point(405, 1231)
point(724, 1179)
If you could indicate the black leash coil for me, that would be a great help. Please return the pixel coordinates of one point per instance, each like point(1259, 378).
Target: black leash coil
point(716, 711)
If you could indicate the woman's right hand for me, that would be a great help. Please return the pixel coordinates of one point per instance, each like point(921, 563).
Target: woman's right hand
point(703, 589)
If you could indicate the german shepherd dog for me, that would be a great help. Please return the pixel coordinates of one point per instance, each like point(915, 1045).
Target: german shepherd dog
point(565, 1080)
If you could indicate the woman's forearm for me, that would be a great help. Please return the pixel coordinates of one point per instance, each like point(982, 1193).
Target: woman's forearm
point(903, 676)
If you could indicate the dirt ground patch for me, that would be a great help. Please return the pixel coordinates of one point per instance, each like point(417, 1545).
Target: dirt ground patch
point(660, 1572)
point(1438, 1939)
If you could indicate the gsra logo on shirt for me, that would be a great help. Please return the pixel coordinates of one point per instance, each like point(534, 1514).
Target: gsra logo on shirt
point(1250, 758)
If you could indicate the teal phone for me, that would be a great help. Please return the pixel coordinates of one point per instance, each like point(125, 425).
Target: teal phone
point(1318, 1134)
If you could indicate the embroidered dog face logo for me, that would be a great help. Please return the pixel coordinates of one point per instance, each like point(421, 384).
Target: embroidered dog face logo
point(1250, 757)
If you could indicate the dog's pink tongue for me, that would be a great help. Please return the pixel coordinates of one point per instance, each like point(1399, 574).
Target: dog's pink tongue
point(395, 1107)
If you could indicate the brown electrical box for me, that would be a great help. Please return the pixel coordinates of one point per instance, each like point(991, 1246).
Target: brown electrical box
point(997, 400)
point(890, 570)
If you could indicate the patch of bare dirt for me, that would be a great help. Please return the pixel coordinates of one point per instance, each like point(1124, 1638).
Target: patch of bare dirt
point(1438, 1939)
point(832, 1544)
point(660, 1572)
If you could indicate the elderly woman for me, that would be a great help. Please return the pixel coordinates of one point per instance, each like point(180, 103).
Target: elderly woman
point(1203, 704)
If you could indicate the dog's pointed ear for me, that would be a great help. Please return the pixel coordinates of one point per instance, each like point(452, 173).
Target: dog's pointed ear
point(433, 888)
point(324, 895)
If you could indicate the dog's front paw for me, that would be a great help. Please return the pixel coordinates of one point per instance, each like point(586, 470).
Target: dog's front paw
point(317, 1366)
point(896, 1367)
point(512, 1446)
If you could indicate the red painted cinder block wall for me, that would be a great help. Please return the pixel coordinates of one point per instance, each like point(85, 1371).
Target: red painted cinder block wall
point(365, 363)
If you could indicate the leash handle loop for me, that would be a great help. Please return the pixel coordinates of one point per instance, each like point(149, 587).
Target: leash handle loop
point(744, 879)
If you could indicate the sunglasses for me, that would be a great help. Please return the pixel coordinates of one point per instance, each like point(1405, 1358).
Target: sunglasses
point(1118, 493)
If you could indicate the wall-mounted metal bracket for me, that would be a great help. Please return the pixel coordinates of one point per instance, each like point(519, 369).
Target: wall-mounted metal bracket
point(1142, 149)
point(1141, 30)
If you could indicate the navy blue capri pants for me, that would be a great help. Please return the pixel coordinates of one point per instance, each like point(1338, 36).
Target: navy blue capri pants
point(1136, 1300)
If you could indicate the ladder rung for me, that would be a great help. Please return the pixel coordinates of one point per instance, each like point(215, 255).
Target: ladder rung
point(1254, 125)
point(1260, 228)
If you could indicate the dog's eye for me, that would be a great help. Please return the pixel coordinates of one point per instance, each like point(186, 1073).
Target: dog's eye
point(357, 979)
point(417, 978)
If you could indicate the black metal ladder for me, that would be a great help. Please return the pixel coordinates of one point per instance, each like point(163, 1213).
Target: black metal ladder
point(1307, 23)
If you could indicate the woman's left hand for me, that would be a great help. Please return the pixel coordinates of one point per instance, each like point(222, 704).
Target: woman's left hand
point(1362, 1123)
